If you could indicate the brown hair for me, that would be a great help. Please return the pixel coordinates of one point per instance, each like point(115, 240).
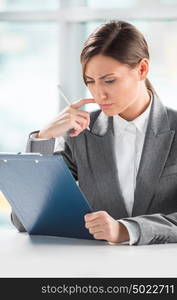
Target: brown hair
point(119, 40)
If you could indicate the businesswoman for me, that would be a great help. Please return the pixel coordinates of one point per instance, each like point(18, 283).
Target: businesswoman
point(126, 163)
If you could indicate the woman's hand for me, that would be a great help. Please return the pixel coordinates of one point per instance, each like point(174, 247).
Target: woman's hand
point(70, 118)
point(104, 227)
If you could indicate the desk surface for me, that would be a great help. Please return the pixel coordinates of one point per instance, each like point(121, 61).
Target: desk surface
point(40, 256)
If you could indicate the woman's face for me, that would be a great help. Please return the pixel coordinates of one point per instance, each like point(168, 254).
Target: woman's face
point(114, 86)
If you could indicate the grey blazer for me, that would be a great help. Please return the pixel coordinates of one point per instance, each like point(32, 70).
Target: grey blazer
point(91, 159)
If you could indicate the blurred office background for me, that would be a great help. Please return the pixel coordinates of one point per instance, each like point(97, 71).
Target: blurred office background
point(40, 44)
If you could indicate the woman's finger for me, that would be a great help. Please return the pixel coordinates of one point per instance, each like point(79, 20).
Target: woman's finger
point(81, 102)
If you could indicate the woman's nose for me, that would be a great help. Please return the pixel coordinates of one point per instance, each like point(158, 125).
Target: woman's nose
point(100, 95)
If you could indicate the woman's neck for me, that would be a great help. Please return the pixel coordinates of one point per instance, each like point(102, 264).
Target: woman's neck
point(138, 107)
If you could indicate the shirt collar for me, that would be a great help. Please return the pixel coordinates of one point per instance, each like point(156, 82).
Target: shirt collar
point(140, 122)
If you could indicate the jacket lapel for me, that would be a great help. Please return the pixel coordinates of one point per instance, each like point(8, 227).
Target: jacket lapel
point(156, 148)
point(106, 173)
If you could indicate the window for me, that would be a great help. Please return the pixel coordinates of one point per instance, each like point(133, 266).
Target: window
point(24, 5)
point(28, 79)
point(29, 66)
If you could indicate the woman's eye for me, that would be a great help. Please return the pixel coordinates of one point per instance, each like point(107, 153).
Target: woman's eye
point(110, 81)
point(89, 82)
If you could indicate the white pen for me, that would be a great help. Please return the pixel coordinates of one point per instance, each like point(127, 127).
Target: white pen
point(65, 98)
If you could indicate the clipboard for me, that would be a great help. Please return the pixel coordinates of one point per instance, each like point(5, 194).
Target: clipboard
point(44, 194)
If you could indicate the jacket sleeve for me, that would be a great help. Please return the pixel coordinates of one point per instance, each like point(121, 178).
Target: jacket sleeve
point(59, 146)
point(156, 228)
point(133, 231)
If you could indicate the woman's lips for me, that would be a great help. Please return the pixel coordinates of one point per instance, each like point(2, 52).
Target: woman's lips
point(106, 105)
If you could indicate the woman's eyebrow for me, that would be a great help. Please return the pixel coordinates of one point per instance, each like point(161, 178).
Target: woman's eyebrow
point(101, 77)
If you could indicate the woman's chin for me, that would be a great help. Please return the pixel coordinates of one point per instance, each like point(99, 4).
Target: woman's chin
point(110, 113)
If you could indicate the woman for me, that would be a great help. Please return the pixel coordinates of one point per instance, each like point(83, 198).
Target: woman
point(126, 164)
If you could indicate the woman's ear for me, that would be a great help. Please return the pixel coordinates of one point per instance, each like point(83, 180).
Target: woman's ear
point(143, 68)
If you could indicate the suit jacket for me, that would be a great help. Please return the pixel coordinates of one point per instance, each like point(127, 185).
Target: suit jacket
point(91, 159)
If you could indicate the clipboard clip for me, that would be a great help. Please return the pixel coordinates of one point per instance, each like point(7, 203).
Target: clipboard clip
point(29, 153)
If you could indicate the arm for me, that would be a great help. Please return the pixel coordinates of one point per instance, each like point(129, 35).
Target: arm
point(104, 227)
point(141, 230)
point(37, 145)
point(156, 228)
point(133, 231)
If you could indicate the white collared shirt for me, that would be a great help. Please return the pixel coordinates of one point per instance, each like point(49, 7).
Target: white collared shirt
point(129, 140)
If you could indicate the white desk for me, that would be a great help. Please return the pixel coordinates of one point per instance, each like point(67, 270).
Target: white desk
point(37, 256)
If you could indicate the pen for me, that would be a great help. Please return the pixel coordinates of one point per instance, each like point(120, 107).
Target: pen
point(65, 98)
